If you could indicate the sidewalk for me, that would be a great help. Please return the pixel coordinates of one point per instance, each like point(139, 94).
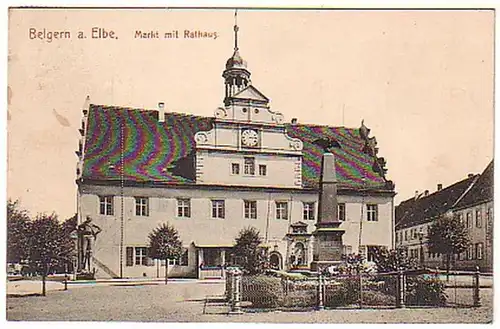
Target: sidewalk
point(20, 288)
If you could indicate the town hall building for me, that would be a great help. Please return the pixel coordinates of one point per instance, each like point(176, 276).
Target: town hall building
point(210, 177)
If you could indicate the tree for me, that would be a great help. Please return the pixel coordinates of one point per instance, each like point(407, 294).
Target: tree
point(448, 235)
point(17, 230)
point(165, 244)
point(49, 245)
point(393, 260)
point(250, 255)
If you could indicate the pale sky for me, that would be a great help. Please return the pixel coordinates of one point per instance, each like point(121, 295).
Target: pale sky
point(421, 80)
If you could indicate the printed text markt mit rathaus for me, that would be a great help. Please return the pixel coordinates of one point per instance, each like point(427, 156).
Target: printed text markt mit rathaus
point(175, 34)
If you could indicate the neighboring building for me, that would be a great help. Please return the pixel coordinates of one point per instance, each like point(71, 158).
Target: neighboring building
point(476, 209)
point(212, 176)
point(471, 199)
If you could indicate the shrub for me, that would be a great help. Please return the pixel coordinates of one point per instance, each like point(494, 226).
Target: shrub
point(425, 291)
point(262, 291)
point(377, 298)
point(342, 292)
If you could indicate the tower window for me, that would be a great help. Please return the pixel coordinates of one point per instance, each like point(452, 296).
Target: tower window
point(249, 166)
point(235, 168)
point(262, 170)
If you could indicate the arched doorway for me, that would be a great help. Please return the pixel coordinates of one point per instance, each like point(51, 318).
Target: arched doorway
point(275, 260)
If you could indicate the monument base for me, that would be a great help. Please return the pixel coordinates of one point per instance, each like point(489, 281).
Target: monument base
point(319, 266)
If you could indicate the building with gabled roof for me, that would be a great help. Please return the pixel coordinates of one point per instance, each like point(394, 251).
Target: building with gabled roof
point(468, 199)
point(212, 176)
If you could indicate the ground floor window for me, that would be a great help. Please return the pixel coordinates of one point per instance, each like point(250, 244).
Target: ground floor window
point(138, 256)
point(212, 257)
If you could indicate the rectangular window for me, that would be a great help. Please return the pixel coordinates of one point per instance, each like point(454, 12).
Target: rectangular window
point(341, 211)
point(406, 235)
point(184, 208)
point(262, 170)
point(235, 168)
point(372, 212)
point(141, 206)
point(106, 205)
point(479, 250)
point(468, 220)
point(281, 210)
point(141, 256)
point(308, 210)
point(218, 209)
point(250, 209)
point(249, 166)
point(479, 220)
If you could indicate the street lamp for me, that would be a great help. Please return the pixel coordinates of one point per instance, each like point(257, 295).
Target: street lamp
point(421, 238)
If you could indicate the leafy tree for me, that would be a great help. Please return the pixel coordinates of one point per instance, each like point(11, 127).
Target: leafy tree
point(17, 230)
point(165, 244)
point(393, 260)
point(49, 246)
point(448, 235)
point(249, 254)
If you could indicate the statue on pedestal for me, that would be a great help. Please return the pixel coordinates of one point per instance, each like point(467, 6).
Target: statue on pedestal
point(87, 233)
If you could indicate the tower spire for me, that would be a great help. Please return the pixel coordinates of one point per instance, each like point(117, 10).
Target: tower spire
point(236, 28)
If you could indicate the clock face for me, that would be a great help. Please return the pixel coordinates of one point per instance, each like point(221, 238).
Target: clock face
point(249, 137)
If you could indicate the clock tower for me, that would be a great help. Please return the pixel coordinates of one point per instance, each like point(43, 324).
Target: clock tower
point(248, 144)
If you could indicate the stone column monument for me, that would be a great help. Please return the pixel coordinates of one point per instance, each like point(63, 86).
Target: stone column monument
point(328, 245)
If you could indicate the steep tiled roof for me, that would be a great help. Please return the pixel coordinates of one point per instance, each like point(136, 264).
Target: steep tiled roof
point(481, 191)
point(160, 152)
point(423, 209)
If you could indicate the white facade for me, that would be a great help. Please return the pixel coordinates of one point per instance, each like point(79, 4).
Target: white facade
point(200, 230)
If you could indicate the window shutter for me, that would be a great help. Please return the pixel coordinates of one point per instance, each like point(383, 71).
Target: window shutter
point(130, 256)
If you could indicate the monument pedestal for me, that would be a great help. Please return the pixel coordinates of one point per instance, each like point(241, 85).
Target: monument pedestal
point(328, 246)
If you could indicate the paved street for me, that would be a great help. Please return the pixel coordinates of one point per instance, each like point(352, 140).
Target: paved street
point(182, 301)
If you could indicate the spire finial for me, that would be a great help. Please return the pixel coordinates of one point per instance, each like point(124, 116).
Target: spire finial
point(236, 28)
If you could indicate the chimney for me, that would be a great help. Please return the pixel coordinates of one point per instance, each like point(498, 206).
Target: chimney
point(440, 187)
point(161, 112)
point(470, 175)
point(426, 192)
point(294, 121)
point(327, 210)
point(416, 194)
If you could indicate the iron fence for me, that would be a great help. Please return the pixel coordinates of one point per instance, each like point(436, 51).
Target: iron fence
point(398, 289)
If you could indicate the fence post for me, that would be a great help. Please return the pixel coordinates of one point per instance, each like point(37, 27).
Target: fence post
point(401, 293)
point(360, 289)
point(477, 300)
point(235, 303)
point(320, 292)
